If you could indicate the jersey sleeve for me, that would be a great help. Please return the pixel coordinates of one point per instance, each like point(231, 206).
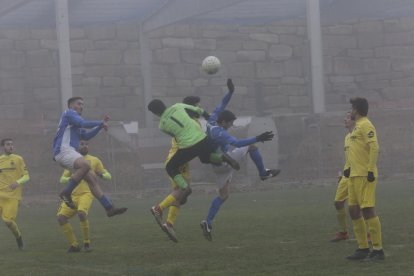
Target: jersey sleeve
point(224, 102)
point(75, 119)
point(370, 137)
point(24, 172)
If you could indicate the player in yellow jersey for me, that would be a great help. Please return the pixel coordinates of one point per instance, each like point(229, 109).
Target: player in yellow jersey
point(13, 175)
point(82, 198)
point(174, 209)
point(342, 190)
point(363, 177)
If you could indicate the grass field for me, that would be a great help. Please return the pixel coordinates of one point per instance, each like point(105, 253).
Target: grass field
point(279, 232)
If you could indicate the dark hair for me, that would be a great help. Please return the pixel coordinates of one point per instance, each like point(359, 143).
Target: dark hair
point(3, 141)
point(191, 100)
point(360, 105)
point(156, 106)
point(226, 116)
point(74, 99)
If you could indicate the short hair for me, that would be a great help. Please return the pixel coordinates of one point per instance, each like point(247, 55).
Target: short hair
point(226, 116)
point(360, 105)
point(3, 141)
point(156, 106)
point(74, 99)
point(191, 100)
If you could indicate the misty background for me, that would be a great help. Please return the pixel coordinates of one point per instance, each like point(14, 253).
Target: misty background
point(119, 54)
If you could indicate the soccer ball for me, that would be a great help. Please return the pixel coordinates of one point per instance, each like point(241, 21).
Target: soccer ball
point(211, 65)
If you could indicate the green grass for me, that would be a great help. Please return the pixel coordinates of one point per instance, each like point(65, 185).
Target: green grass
point(279, 232)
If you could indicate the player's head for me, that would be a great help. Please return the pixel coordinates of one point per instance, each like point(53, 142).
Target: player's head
point(76, 103)
point(83, 147)
point(348, 121)
point(157, 107)
point(192, 100)
point(226, 119)
point(7, 144)
point(359, 107)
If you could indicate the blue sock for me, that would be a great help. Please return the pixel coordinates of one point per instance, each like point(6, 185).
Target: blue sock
point(105, 202)
point(214, 208)
point(70, 186)
point(258, 161)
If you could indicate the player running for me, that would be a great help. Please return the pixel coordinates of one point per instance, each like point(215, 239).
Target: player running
point(218, 124)
point(13, 176)
point(72, 128)
point(82, 199)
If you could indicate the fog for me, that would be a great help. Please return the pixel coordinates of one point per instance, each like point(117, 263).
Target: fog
point(120, 54)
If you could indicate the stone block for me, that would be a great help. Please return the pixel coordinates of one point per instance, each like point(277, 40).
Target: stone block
point(375, 84)
point(15, 84)
point(254, 45)
point(49, 34)
point(16, 34)
point(339, 30)
point(101, 33)
point(25, 45)
point(229, 45)
point(110, 45)
point(185, 71)
point(182, 43)
point(273, 101)
point(370, 40)
point(181, 83)
point(167, 55)
point(242, 69)
point(252, 29)
point(280, 52)
point(277, 29)
point(205, 44)
point(88, 92)
point(49, 44)
point(155, 43)
point(52, 71)
point(395, 51)
point(77, 33)
point(92, 81)
point(12, 111)
point(401, 38)
point(132, 56)
point(43, 82)
point(299, 101)
point(46, 93)
point(292, 90)
point(269, 38)
point(127, 32)
point(292, 80)
point(381, 76)
point(111, 101)
point(112, 81)
point(76, 59)
point(392, 25)
point(251, 55)
point(402, 64)
point(269, 70)
point(361, 53)
point(293, 67)
point(348, 66)
point(104, 57)
point(339, 41)
point(403, 82)
point(183, 31)
point(226, 57)
point(341, 79)
point(200, 82)
point(407, 23)
point(6, 44)
point(194, 56)
point(12, 60)
point(376, 65)
point(291, 39)
point(81, 45)
point(397, 93)
point(132, 81)
point(369, 27)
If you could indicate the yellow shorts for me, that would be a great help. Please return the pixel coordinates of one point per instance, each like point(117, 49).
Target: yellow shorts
point(342, 189)
point(361, 192)
point(185, 172)
point(82, 202)
point(9, 208)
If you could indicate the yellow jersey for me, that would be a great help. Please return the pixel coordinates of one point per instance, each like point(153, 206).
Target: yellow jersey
point(363, 148)
point(96, 166)
point(12, 168)
point(346, 150)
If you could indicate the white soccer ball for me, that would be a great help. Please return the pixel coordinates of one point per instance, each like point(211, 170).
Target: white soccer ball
point(211, 65)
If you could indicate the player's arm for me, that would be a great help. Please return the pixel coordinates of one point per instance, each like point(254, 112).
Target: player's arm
point(224, 102)
point(24, 176)
point(101, 171)
point(372, 142)
point(347, 170)
point(76, 120)
point(87, 135)
point(64, 179)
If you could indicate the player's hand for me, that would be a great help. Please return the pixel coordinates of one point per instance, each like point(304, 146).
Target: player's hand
point(371, 177)
point(106, 118)
point(105, 126)
point(347, 172)
point(206, 115)
point(14, 185)
point(265, 136)
point(339, 178)
point(230, 85)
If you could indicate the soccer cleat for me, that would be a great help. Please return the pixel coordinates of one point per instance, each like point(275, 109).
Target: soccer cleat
point(87, 247)
point(233, 163)
point(340, 236)
point(169, 230)
point(157, 213)
point(68, 200)
point(74, 249)
point(375, 255)
point(115, 211)
point(359, 254)
point(270, 174)
point(20, 243)
point(206, 230)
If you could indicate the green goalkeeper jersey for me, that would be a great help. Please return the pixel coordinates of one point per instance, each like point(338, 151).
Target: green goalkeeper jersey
point(176, 122)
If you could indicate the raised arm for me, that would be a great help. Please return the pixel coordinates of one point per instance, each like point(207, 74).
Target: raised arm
point(224, 102)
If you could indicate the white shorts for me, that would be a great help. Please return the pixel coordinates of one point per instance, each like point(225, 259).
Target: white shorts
point(224, 172)
point(67, 157)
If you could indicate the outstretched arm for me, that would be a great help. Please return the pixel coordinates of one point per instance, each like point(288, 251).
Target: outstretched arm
point(76, 120)
point(224, 102)
point(87, 135)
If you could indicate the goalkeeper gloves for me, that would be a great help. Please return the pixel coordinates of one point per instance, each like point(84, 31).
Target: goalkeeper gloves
point(265, 136)
point(230, 85)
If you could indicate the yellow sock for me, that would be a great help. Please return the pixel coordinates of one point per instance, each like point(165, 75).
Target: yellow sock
point(341, 216)
point(172, 214)
point(84, 226)
point(69, 234)
point(375, 231)
point(167, 202)
point(13, 227)
point(360, 232)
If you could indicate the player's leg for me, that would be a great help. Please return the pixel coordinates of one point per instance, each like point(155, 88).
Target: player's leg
point(9, 208)
point(63, 216)
point(373, 221)
point(85, 202)
point(341, 216)
point(257, 159)
point(355, 190)
point(97, 192)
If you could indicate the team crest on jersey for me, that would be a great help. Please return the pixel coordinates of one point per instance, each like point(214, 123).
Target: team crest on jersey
point(371, 134)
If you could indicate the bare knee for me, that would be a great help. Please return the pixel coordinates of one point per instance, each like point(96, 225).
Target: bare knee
point(368, 213)
point(62, 220)
point(354, 212)
point(339, 205)
point(82, 215)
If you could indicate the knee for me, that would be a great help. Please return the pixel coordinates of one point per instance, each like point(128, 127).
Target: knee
point(252, 147)
point(62, 220)
point(339, 205)
point(171, 171)
point(81, 215)
point(8, 222)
